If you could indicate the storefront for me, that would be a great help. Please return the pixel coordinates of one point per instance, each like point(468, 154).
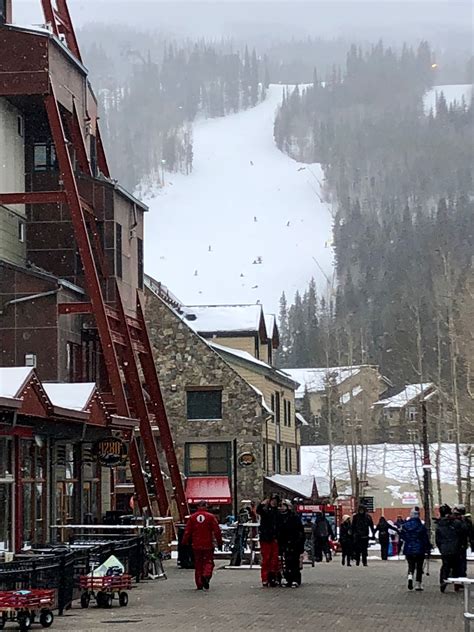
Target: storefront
point(49, 473)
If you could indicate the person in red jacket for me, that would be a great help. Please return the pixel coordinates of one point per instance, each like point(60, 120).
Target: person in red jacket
point(201, 530)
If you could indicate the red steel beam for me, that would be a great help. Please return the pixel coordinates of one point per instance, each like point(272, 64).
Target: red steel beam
point(75, 308)
point(158, 409)
point(101, 157)
point(49, 16)
point(34, 197)
point(65, 17)
point(79, 143)
point(91, 276)
point(140, 408)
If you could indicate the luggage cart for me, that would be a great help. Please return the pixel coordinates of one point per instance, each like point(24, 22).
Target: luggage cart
point(105, 589)
point(24, 606)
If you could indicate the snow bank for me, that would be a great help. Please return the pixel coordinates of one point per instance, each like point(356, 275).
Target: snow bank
point(247, 222)
point(397, 461)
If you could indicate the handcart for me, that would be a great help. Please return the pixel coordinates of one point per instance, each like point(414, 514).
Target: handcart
point(23, 606)
point(105, 589)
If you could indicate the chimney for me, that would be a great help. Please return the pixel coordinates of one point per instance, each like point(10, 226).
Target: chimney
point(5, 12)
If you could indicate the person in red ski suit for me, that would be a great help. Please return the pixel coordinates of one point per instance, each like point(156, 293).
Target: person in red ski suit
point(268, 531)
point(201, 530)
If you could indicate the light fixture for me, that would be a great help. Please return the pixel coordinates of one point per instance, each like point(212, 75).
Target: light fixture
point(39, 440)
point(30, 360)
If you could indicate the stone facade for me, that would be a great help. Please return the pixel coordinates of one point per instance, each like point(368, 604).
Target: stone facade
point(185, 361)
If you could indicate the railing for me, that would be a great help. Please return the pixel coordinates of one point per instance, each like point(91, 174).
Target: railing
point(60, 568)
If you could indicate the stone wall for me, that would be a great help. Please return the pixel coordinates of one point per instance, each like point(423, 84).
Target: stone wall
point(183, 359)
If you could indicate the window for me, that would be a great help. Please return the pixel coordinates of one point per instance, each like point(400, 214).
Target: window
point(411, 413)
point(278, 459)
point(118, 250)
point(211, 458)
point(33, 482)
point(272, 405)
point(277, 408)
point(93, 154)
point(274, 461)
point(264, 457)
point(287, 412)
point(450, 436)
point(74, 362)
point(44, 157)
point(21, 231)
point(287, 460)
point(290, 459)
point(140, 262)
point(20, 125)
point(204, 404)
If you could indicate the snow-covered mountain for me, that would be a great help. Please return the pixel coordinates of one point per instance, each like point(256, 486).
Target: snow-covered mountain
point(249, 221)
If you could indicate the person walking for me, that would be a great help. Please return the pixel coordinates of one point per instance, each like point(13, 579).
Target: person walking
point(345, 539)
point(322, 531)
point(459, 513)
point(268, 530)
point(383, 528)
point(449, 540)
point(416, 546)
point(362, 526)
point(291, 539)
point(201, 530)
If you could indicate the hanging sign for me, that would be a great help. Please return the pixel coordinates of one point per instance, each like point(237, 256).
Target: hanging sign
point(245, 459)
point(111, 452)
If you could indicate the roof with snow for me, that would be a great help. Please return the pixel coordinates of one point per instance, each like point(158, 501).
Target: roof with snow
point(272, 329)
point(404, 397)
point(301, 419)
point(72, 396)
point(212, 319)
point(264, 403)
point(315, 380)
point(13, 379)
point(258, 364)
point(305, 485)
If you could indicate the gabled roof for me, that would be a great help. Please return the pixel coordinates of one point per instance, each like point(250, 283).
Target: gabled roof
point(75, 396)
point(272, 330)
point(13, 380)
point(315, 380)
point(226, 319)
point(405, 396)
point(259, 366)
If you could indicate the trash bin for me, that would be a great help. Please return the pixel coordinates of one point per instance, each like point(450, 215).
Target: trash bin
point(185, 551)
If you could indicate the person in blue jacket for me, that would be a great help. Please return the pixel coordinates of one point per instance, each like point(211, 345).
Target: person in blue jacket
point(416, 546)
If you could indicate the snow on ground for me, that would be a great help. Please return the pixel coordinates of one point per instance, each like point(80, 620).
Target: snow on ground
point(394, 461)
point(451, 93)
point(245, 202)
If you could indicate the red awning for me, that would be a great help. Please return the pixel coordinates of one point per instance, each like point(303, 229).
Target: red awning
point(214, 489)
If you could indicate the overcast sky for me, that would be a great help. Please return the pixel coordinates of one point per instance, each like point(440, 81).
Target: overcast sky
point(404, 18)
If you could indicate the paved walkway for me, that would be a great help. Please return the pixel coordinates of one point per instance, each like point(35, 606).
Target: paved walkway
point(373, 599)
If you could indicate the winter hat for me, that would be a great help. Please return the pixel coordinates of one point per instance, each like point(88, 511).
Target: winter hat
point(460, 510)
point(345, 517)
point(414, 513)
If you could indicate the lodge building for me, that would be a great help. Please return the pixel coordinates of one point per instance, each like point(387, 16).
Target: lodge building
point(71, 287)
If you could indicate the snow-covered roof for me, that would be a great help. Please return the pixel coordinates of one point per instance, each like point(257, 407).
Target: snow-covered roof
point(248, 357)
point(353, 393)
point(71, 396)
point(405, 396)
point(301, 484)
point(301, 419)
point(315, 380)
point(207, 319)
point(12, 380)
point(264, 403)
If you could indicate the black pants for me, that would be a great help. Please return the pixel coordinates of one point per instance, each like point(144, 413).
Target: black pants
point(321, 545)
point(360, 550)
point(291, 566)
point(463, 564)
point(346, 553)
point(449, 567)
point(415, 566)
point(384, 547)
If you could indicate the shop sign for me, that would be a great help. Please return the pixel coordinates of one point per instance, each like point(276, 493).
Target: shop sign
point(111, 452)
point(410, 498)
point(245, 459)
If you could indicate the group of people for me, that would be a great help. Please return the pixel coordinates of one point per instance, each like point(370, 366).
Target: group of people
point(282, 541)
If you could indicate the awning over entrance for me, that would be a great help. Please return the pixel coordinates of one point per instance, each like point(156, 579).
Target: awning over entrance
point(214, 489)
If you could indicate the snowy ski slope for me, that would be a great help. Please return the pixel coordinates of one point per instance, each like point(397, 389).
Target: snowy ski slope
point(245, 201)
point(451, 93)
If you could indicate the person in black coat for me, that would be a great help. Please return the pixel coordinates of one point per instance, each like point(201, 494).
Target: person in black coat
point(322, 531)
point(268, 533)
point(345, 539)
point(362, 526)
point(449, 537)
point(383, 527)
point(291, 540)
